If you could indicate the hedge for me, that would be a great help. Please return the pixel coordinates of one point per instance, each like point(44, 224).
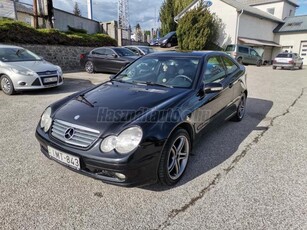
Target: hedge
point(18, 32)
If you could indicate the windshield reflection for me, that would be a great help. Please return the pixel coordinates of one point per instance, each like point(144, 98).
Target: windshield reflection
point(161, 71)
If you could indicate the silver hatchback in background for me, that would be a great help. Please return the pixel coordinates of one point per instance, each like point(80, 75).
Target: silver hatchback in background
point(20, 69)
point(288, 60)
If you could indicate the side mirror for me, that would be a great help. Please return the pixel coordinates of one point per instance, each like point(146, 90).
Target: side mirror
point(115, 55)
point(213, 87)
point(111, 77)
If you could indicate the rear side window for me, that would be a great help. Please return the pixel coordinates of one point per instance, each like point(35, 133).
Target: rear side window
point(243, 50)
point(215, 71)
point(230, 48)
point(284, 55)
point(230, 65)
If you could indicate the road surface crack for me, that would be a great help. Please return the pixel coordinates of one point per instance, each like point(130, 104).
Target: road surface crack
point(173, 213)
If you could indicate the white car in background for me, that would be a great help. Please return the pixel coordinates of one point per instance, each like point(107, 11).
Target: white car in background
point(288, 60)
point(20, 69)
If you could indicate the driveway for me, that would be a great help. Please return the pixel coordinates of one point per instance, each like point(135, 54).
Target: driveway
point(247, 175)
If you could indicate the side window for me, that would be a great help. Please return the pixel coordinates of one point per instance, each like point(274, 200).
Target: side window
point(109, 52)
point(214, 71)
point(254, 53)
point(99, 51)
point(243, 50)
point(230, 65)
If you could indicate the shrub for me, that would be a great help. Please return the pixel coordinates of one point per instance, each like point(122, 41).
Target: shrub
point(19, 32)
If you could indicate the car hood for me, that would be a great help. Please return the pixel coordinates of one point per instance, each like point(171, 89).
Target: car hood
point(116, 105)
point(36, 66)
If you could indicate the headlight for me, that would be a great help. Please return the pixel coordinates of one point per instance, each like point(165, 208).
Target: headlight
point(164, 41)
point(125, 142)
point(46, 120)
point(60, 72)
point(23, 72)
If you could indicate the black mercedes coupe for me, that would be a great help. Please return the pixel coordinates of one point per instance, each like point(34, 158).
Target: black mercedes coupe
point(139, 127)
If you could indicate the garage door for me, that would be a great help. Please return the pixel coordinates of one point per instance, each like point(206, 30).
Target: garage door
point(303, 51)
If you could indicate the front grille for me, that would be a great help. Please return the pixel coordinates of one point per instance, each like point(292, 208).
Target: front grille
point(47, 73)
point(81, 136)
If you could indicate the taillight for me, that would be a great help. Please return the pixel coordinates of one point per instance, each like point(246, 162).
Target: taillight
point(291, 62)
point(82, 56)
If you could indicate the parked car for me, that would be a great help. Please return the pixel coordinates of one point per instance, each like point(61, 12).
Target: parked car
point(20, 69)
point(168, 40)
point(140, 126)
point(288, 60)
point(154, 42)
point(244, 54)
point(140, 50)
point(107, 59)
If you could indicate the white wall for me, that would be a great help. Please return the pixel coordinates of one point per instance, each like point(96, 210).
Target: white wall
point(292, 39)
point(256, 28)
point(282, 9)
point(228, 15)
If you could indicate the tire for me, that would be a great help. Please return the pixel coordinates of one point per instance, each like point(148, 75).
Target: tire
point(301, 66)
point(239, 60)
point(6, 85)
point(168, 45)
point(259, 63)
point(174, 158)
point(89, 67)
point(239, 115)
point(274, 67)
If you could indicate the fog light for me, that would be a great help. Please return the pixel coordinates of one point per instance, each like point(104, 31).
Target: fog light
point(120, 176)
point(22, 83)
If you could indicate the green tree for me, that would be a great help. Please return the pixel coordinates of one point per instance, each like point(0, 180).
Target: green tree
point(76, 10)
point(198, 29)
point(168, 11)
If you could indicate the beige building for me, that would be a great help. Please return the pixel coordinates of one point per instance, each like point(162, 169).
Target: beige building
point(269, 26)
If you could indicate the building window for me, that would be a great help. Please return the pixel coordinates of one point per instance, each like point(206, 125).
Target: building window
point(271, 10)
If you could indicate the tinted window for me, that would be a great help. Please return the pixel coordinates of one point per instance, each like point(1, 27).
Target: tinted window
point(284, 55)
point(124, 52)
point(230, 48)
point(109, 52)
point(134, 50)
point(101, 51)
point(230, 65)
point(17, 54)
point(215, 71)
point(147, 50)
point(243, 50)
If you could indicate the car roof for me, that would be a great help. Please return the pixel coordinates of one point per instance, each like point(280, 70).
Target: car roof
point(138, 46)
point(9, 46)
point(185, 54)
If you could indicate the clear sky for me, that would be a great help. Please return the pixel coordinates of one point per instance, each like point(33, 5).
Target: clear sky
point(302, 10)
point(145, 12)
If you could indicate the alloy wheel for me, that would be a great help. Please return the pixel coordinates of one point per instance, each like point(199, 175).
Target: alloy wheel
point(6, 85)
point(89, 67)
point(178, 157)
point(241, 109)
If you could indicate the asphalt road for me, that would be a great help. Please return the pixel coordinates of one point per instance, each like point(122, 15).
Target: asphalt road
point(247, 175)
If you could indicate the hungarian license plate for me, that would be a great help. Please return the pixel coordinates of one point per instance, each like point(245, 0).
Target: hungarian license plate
point(64, 158)
point(50, 79)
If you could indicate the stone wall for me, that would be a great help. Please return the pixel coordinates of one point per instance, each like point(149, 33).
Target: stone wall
point(68, 57)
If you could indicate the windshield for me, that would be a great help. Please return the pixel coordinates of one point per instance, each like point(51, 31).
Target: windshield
point(163, 71)
point(168, 35)
point(147, 50)
point(124, 52)
point(17, 55)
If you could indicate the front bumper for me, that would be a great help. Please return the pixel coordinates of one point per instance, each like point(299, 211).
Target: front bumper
point(140, 168)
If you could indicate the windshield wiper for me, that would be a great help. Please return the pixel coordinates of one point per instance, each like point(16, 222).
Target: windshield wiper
point(82, 99)
point(152, 83)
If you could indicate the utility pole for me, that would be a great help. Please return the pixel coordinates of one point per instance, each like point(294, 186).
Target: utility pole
point(35, 14)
